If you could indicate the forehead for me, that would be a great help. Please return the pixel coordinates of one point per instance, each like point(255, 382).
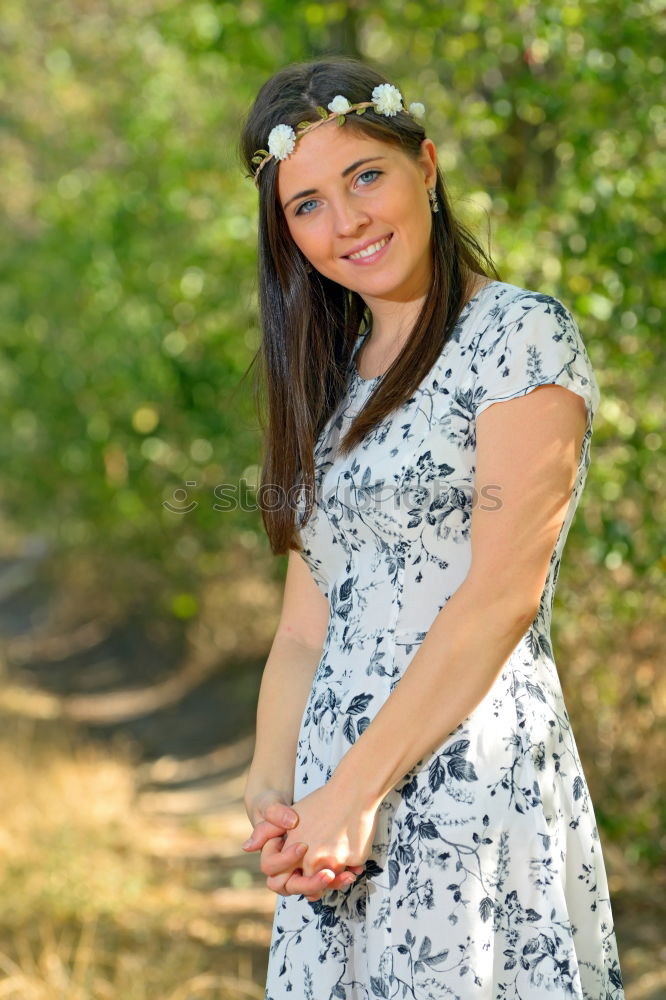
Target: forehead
point(323, 154)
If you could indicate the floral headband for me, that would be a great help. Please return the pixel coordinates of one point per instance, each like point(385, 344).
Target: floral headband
point(386, 100)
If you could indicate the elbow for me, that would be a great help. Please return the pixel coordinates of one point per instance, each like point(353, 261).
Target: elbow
point(524, 614)
point(505, 600)
point(521, 608)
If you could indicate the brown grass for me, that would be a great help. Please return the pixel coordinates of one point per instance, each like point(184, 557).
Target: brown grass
point(88, 910)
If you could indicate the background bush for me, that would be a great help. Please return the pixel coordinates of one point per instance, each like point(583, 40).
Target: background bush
point(128, 305)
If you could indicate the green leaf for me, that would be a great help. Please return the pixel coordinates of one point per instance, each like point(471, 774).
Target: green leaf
point(340, 120)
point(322, 111)
point(256, 159)
point(361, 111)
point(303, 124)
point(264, 152)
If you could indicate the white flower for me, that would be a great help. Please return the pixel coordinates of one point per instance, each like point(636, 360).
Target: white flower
point(281, 141)
point(339, 105)
point(387, 99)
point(417, 109)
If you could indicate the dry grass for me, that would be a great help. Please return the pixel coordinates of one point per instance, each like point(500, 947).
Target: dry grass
point(88, 912)
point(107, 895)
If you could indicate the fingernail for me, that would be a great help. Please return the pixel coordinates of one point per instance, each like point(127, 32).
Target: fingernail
point(247, 842)
point(288, 819)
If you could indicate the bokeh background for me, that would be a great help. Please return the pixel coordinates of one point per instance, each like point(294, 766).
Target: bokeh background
point(136, 611)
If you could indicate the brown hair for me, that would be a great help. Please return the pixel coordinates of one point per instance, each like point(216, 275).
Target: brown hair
point(310, 323)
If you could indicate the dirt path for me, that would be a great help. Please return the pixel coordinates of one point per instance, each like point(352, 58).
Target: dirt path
point(187, 715)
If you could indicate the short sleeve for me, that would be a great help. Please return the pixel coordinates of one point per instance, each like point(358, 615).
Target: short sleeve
point(532, 341)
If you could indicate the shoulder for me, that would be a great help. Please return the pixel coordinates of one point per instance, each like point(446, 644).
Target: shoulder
point(514, 314)
point(526, 339)
point(512, 301)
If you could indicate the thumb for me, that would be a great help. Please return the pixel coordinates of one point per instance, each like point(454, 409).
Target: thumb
point(263, 831)
point(276, 817)
point(281, 815)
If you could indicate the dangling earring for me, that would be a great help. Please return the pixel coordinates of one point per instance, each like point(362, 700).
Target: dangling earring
point(434, 204)
point(308, 266)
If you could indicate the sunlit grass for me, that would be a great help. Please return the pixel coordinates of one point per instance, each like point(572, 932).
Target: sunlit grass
point(86, 911)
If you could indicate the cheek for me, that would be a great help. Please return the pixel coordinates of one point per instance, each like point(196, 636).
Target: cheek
point(397, 209)
point(312, 243)
point(416, 230)
point(301, 243)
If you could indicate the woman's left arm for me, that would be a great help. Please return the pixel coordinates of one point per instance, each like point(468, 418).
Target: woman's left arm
point(527, 448)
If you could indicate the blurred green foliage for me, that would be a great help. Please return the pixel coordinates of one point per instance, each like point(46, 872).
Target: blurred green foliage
point(127, 272)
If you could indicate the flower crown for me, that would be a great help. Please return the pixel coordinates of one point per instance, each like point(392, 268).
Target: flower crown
point(386, 100)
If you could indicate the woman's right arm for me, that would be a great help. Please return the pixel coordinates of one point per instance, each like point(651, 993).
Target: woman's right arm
point(285, 686)
point(286, 683)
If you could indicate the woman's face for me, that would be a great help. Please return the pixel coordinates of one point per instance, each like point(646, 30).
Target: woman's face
point(342, 191)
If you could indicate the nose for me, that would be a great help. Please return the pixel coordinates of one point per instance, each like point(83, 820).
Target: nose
point(349, 217)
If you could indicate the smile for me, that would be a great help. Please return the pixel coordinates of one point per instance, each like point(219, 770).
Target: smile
point(371, 253)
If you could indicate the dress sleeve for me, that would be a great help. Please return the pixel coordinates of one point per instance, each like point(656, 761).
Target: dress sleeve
point(534, 341)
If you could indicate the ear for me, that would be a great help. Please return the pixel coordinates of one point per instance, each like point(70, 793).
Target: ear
point(428, 161)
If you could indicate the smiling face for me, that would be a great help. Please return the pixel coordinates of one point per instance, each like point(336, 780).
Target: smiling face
point(345, 193)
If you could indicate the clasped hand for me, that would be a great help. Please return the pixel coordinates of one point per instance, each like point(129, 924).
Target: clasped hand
point(325, 849)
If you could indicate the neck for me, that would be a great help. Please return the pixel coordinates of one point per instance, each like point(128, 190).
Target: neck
point(394, 316)
point(393, 320)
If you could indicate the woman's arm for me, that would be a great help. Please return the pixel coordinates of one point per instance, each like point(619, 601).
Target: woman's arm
point(286, 683)
point(284, 690)
point(530, 447)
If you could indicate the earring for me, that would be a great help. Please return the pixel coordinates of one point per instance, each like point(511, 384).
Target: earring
point(434, 204)
point(308, 266)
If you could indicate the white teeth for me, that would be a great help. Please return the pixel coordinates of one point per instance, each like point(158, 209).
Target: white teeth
point(370, 250)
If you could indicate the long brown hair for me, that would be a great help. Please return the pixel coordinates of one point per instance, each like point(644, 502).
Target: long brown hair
point(310, 323)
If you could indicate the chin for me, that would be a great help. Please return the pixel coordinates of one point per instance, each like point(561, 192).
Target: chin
point(382, 284)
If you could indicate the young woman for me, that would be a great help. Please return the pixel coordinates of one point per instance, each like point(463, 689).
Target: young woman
point(416, 790)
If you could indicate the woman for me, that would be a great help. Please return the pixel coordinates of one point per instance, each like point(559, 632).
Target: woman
point(416, 791)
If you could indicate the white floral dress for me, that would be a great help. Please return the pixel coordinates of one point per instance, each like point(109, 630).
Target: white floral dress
point(486, 879)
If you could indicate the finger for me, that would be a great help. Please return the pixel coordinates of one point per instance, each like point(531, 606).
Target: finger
point(271, 848)
point(296, 883)
point(307, 884)
point(272, 856)
point(281, 815)
point(341, 881)
point(277, 883)
point(286, 859)
point(345, 878)
point(262, 832)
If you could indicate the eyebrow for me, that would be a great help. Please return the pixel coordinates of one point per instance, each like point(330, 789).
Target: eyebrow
point(347, 170)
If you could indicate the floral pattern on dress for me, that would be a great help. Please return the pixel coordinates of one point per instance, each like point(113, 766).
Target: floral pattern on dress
point(486, 879)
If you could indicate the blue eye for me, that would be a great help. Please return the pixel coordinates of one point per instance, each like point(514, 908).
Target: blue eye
point(366, 172)
point(311, 201)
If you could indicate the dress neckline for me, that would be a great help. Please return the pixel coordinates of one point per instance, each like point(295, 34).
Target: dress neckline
point(356, 375)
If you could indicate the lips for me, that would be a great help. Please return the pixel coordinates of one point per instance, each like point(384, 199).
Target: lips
point(368, 243)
